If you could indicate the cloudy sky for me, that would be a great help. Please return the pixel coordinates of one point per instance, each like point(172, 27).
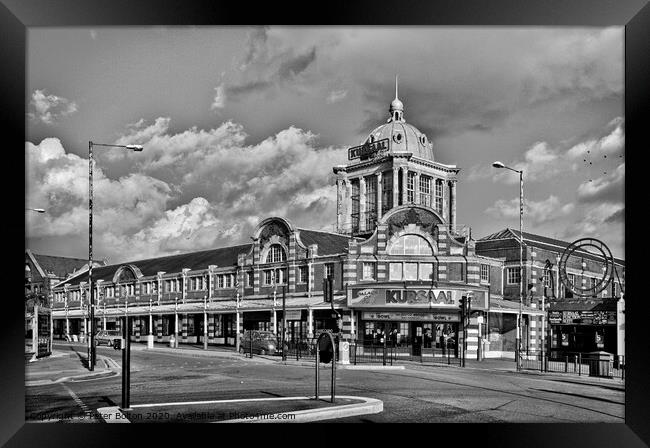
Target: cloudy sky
point(239, 124)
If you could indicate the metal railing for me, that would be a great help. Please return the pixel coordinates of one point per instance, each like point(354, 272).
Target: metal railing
point(588, 364)
point(365, 351)
point(300, 348)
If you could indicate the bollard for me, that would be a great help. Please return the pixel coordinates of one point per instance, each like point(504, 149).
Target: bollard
point(566, 364)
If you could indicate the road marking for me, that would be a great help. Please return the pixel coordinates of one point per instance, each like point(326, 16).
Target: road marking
point(76, 399)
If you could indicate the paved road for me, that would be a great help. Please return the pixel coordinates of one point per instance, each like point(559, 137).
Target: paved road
point(415, 394)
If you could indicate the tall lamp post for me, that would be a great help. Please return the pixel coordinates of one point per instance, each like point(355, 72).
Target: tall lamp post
point(91, 361)
point(498, 164)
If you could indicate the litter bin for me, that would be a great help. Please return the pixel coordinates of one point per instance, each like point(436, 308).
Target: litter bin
point(599, 364)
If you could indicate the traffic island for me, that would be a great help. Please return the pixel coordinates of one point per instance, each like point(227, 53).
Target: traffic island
point(63, 366)
point(255, 410)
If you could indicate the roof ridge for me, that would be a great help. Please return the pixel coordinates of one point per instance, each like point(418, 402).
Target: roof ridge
point(325, 231)
point(178, 255)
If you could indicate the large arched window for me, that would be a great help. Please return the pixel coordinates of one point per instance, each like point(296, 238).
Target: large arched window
point(411, 245)
point(276, 254)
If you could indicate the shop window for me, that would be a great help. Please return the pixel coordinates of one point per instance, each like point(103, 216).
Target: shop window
point(368, 271)
point(250, 278)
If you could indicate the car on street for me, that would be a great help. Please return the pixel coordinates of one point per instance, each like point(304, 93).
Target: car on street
point(107, 337)
point(263, 342)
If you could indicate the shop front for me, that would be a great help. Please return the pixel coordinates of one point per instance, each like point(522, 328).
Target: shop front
point(412, 319)
point(411, 332)
point(582, 331)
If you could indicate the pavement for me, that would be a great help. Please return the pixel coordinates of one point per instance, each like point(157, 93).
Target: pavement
point(298, 409)
point(62, 366)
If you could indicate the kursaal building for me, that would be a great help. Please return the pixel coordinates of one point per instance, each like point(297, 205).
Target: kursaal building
point(400, 264)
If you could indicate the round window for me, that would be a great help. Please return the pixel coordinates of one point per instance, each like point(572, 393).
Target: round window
point(423, 139)
point(397, 137)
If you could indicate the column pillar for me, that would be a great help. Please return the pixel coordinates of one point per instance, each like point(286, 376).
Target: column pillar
point(395, 186)
point(404, 184)
point(159, 324)
point(310, 323)
point(452, 211)
point(348, 207)
point(184, 327)
point(239, 323)
point(274, 322)
point(104, 322)
point(362, 203)
point(67, 325)
point(339, 205)
point(380, 192)
point(416, 188)
point(205, 330)
point(210, 327)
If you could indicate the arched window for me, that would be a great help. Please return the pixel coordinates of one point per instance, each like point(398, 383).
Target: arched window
point(411, 245)
point(276, 254)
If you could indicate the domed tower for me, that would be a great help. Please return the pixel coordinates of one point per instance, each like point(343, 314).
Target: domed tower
point(394, 166)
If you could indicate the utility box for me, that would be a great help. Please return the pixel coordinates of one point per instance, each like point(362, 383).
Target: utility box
point(599, 364)
point(344, 352)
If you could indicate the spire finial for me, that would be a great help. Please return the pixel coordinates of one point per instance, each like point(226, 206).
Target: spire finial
point(396, 107)
point(396, 83)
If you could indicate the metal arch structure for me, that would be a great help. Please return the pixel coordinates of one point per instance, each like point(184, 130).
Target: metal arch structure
point(608, 271)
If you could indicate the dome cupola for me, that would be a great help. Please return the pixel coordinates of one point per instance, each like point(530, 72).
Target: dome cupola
point(402, 136)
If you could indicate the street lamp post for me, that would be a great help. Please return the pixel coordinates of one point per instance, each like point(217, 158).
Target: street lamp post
point(91, 361)
point(37, 210)
point(498, 164)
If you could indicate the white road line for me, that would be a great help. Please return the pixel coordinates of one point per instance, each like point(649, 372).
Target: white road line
point(76, 399)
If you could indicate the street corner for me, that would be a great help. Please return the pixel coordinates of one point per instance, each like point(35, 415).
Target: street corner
point(256, 410)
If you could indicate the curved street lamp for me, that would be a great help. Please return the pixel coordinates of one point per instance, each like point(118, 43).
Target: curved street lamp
point(498, 164)
point(91, 340)
point(37, 210)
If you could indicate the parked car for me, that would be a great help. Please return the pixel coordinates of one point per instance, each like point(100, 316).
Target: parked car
point(264, 342)
point(106, 337)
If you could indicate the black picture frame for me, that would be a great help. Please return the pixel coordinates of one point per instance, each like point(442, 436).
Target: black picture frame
point(16, 16)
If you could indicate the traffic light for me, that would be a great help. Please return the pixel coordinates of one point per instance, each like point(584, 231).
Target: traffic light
point(117, 344)
point(463, 303)
point(328, 289)
point(325, 350)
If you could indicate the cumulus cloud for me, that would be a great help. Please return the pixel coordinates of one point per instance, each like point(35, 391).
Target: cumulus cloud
point(536, 212)
point(287, 174)
point(606, 188)
point(602, 221)
point(336, 95)
point(220, 98)
point(49, 108)
point(269, 61)
point(58, 181)
point(542, 162)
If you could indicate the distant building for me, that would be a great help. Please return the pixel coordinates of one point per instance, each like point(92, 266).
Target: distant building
point(400, 265)
point(576, 324)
